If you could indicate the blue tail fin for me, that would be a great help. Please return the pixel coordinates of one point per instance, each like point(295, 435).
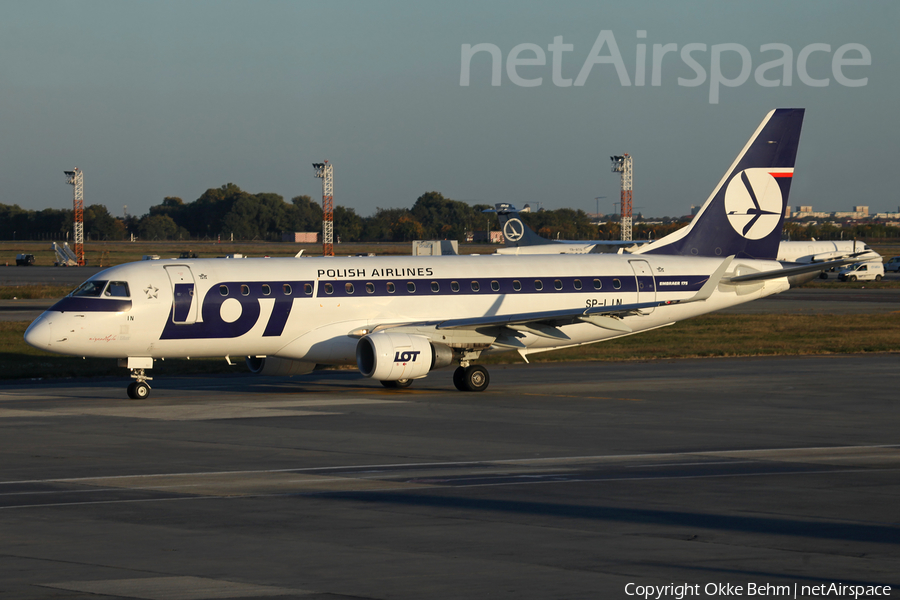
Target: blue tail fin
point(745, 213)
point(515, 232)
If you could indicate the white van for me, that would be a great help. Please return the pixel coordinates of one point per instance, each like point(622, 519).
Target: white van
point(865, 271)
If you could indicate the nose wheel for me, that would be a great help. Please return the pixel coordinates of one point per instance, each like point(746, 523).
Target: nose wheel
point(138, 390)
point(474, 378)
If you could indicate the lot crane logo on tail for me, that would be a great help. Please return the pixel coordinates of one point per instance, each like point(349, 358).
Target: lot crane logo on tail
point(754, 203)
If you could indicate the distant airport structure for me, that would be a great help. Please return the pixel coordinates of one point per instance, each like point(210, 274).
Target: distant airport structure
point(75, 178)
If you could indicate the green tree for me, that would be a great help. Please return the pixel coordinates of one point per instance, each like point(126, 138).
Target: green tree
point(159, 227)
point(306, 214)
point(348, 226)
point(100, 225)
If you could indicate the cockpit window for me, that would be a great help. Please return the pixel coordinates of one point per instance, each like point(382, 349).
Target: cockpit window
point(97, 288)
point(90, 288)
point(117, 289)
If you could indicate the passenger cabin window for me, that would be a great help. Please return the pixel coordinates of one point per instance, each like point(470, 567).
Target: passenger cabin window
point(557, 284)
point(517, 286)
point(475, 286)
point(617, 284)
point(223, 290)
point(90, 288)
point(287, 289)
point(245, 290)
point(411, 287)
point(577, 284)
point(370, 288)
point(390, 287)
point(307, 289)
point(348, 287)
point(117, 289)
point(266, 289)
point(538, 284)
point(454, 286)
point(435, 286)
point(329, 289)
point(495, 285)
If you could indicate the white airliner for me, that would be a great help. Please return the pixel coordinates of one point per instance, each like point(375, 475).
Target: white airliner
point(818, 251)
point(520, 239)
point(398, 318)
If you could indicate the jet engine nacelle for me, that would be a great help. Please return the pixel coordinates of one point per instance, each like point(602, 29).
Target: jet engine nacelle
point(278, 367)
point(392, 356)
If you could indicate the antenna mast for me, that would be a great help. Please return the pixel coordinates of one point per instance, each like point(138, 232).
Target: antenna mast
point(622, 164)
point(76, 178)
point(325, 172)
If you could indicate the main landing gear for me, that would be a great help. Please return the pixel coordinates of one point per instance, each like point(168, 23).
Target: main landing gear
point(473, 378)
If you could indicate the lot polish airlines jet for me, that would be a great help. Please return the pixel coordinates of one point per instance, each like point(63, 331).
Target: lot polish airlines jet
point(398, 318)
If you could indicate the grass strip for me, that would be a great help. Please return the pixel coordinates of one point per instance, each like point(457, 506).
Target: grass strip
point(708, 336)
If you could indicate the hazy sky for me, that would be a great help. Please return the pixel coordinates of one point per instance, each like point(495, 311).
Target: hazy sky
point(156, 99)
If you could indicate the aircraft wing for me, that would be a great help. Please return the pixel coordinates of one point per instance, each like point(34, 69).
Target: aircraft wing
point(550, 317)
point(607, 317)
point(545, 323)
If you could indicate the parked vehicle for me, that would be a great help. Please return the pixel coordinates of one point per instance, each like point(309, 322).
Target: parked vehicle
point(24, 260)
point(893, 265)
point(865, 271)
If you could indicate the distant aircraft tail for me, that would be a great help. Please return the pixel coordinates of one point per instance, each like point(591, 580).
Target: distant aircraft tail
point(745, 213)
point(515, 232)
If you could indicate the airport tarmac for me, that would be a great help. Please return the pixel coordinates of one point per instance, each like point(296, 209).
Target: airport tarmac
point(560, 481)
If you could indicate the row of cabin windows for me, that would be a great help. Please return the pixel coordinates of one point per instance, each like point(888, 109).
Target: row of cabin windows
point(267, 289)
point(349, 288)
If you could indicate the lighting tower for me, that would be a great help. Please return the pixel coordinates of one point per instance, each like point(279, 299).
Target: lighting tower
point(622, 164)
point(76, 178)
point(325, 172)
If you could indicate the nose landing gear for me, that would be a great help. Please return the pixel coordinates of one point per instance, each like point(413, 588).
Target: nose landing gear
point(139, 388)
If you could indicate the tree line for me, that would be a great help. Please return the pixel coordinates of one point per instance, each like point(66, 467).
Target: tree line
point(228, 210)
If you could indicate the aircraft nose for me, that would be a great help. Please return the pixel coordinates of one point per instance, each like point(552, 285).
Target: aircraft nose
point(38, 333)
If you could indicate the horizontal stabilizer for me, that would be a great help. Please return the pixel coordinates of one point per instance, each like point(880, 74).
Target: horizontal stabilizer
point(787, 271)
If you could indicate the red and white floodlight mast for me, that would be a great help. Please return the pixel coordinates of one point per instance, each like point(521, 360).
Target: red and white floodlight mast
point(76, 178)
point(325, 172)
point(622, 164)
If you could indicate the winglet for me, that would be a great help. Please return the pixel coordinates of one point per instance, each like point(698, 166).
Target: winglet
point(711, 284)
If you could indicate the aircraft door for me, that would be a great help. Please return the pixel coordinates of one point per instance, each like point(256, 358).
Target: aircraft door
point(646, 283)
point(184, 304)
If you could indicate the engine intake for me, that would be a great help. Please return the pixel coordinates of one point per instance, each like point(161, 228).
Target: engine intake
point(393, 356)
